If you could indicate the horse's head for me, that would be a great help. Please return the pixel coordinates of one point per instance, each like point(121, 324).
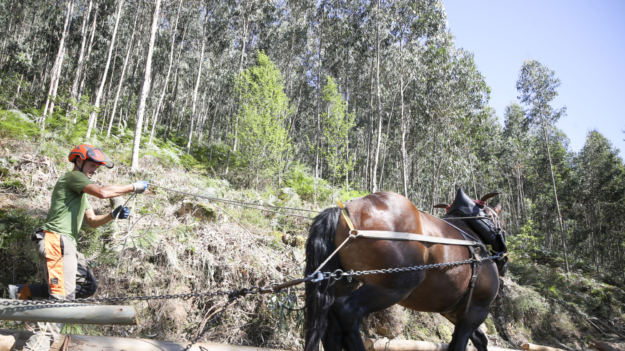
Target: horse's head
point(494, 212)
point(498, 226)
point(487, 223)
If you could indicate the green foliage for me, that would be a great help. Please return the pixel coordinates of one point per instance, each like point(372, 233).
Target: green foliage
point(262, 113)
point(337, 123)
point(537, 85)
point(17, 124)
point(309, 188)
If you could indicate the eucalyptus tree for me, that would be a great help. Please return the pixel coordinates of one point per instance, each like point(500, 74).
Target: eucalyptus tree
point(537, 86)
point(599, 190)
point(58, 64)
point(81, 53)
point(98, 97)
point(146, 86)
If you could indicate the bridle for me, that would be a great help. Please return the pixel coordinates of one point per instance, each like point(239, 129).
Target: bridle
point(496, 220)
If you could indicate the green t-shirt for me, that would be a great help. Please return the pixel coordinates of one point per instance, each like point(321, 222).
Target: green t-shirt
point(68, 206)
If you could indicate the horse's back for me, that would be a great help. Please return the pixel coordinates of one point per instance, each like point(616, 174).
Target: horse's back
point(387, 211)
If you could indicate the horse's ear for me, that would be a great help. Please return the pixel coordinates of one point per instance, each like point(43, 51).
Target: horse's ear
point(498, 208)
point(488, 196)
point(441, 206)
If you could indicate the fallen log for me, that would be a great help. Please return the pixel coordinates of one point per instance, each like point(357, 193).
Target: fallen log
point(533, 347)
point(414, 345)
point(70, 313)
point(99, 343)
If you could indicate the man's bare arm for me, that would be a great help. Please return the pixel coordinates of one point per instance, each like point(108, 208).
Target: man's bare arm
point(95, 220)
point(105, 192)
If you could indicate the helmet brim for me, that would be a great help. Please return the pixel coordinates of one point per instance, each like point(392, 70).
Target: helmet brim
point(98, 156)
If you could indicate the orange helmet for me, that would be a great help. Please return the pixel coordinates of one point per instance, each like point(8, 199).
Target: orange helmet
point(88, 152)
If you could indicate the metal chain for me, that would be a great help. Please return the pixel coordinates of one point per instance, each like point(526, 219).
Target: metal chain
point(339, 273)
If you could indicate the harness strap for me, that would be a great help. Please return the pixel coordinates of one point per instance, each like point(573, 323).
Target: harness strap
point(379, 234)
point(345, 214)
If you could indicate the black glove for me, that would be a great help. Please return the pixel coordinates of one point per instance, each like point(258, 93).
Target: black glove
point(120, 212)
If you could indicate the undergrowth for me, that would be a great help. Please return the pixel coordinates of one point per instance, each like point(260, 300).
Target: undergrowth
point(215, 246)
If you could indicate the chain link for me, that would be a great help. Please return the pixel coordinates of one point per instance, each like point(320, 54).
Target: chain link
point(338, 274)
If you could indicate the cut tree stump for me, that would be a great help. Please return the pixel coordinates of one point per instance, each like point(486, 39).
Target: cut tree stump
point(414, 345)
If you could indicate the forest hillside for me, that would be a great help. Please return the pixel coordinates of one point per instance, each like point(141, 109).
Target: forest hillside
point(175, 244)
point(294, 103)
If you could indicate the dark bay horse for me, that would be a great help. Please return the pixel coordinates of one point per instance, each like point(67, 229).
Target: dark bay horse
point(335, 310)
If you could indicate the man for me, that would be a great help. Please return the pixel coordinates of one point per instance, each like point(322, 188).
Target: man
point(66, 270)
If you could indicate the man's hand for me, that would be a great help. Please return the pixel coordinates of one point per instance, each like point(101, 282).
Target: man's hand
point(120, 213)
point(140, 186)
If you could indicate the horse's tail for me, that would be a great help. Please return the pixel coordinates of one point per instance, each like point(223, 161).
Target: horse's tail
point(320, 295)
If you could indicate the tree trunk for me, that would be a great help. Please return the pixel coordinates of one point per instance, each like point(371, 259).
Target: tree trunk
point(374, 187)
point(171, 61)
point(81, 86)
point(243, 44)
point(94, 115)
point(146, 86)
point(56, 68)
point(81, 53)
point(176, 80)
point(404, 154)
point(555, 193)
point(197, 85)
point(210, 132)
point(121, 77)
point(318, 131)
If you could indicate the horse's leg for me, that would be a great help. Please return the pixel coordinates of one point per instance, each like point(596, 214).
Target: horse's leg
point(467, 326)
point(350, 310)
point(332, 340)
point(479, 339)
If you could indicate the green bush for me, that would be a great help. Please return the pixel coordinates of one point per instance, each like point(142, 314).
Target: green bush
point(17, 124)
point(307, 187)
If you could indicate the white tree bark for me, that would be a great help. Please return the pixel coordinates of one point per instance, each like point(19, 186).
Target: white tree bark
point(197, 85)
point(81, 86)
point(81, 54)
point(93, 116)
point(134, 165)
point(374, 187)
point(171, 61)
point(404, 154)
point(56, 68)
point(121, 78)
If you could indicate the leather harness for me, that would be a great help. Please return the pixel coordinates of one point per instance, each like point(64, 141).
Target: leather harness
point(474, 245)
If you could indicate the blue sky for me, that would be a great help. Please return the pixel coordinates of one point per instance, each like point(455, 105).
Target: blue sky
point(582, 41)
